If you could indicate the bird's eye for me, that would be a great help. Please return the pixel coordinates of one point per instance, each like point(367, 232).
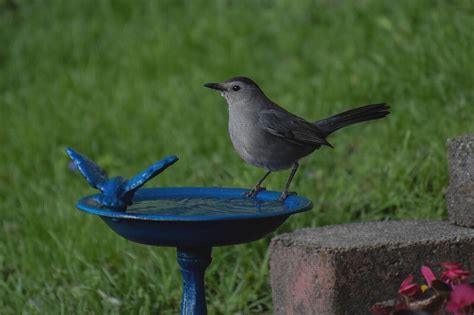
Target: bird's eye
point(236, 88)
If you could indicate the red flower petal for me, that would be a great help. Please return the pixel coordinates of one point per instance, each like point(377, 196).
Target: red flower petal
point(462, 274)
point(461, 296)
point(409, 290)
point(450, 265)
point(428, 275)
point(455, 274)
point(407, 281)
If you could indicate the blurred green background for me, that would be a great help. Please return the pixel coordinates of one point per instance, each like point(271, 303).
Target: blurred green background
point(121, 81)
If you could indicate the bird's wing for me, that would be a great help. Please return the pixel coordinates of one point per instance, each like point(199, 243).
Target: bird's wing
point(94, 175)
point(291, 128)
point(139, 180)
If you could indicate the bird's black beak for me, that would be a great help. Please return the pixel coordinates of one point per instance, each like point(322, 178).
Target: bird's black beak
point(214, 86)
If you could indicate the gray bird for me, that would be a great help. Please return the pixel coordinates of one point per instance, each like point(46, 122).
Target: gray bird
point(268, 136)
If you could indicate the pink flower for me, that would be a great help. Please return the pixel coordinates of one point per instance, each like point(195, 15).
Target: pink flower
point(461, 297)
point(408, 288)
point(454, 274)
point(428, 275)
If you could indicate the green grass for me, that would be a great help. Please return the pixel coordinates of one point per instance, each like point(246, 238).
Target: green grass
point(122, 82)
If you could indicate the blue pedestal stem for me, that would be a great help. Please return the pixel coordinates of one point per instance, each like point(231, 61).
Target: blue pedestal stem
point(193, 262)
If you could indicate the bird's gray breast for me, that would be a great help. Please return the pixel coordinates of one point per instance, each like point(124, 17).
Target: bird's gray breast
point(256, 146)
point(243, 131)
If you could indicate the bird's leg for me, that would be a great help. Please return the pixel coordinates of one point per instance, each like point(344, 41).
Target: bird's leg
point(285, 192)
point(257, 187)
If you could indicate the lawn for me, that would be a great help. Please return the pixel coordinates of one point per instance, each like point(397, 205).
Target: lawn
point(121, 81)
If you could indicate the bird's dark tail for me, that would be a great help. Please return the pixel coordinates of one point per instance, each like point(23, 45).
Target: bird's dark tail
point(353, 116)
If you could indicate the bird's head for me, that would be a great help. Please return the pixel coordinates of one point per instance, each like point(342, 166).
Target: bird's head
point(238, 90)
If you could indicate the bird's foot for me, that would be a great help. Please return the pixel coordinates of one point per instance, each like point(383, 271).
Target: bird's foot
point(252, 193)
point(285, 194)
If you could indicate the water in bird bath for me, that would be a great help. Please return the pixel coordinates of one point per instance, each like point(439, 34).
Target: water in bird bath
point(206, 206)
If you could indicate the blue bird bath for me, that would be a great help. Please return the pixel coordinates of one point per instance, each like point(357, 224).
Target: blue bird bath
point(195, 219)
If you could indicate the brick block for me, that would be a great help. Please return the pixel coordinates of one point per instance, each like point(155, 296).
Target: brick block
point(344, 269)
point(460, 195)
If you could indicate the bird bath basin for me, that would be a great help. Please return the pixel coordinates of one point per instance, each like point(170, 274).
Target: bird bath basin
point(194, 220)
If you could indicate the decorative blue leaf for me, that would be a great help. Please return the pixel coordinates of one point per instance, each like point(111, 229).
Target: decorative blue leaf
point(139, 180)
point(94, 175)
